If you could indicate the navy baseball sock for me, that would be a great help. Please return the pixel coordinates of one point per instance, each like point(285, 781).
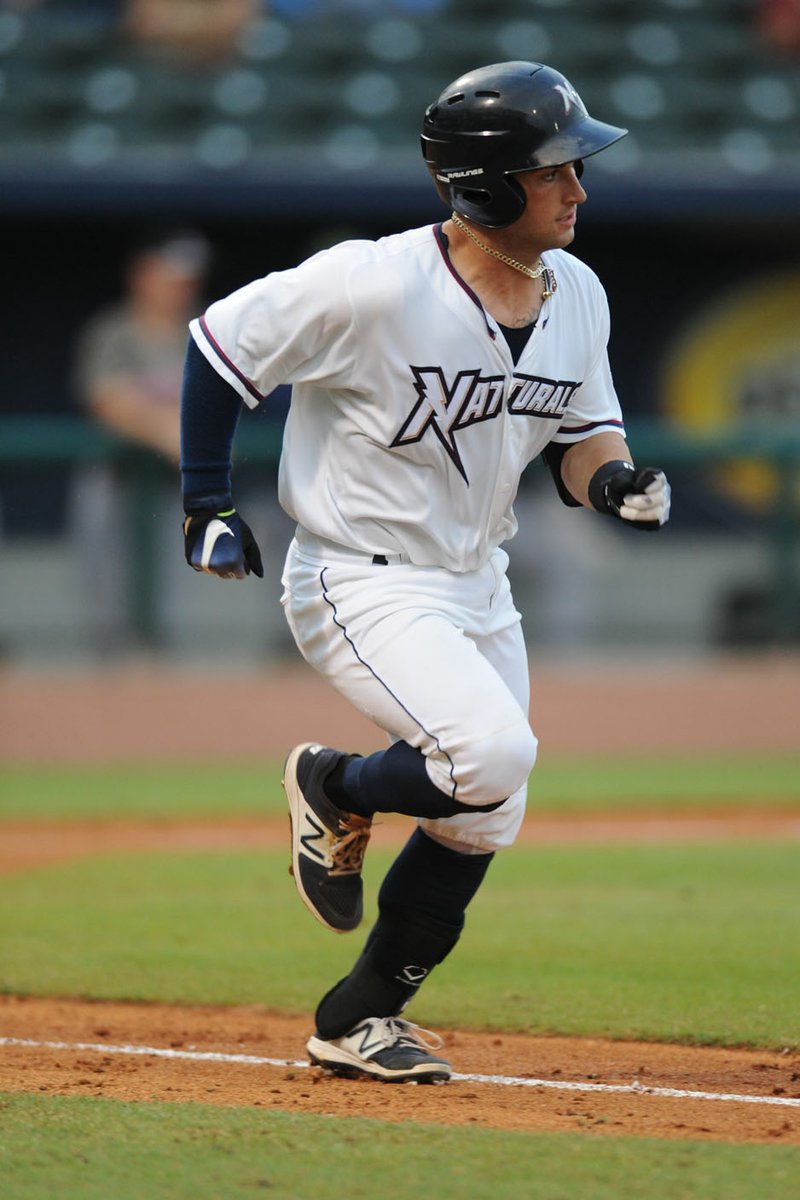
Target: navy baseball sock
point(394, 780)
point(421, 915)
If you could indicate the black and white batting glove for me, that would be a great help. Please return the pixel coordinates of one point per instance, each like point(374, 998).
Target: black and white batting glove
point(639, 497)
point(221, 544)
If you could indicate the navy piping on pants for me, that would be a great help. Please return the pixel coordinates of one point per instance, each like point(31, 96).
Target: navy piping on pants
point(383, 683)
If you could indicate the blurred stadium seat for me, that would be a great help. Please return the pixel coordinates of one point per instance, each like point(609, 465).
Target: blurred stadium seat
point(687, 78)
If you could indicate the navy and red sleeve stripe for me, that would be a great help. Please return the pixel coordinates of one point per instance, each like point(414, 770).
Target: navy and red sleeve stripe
point(246, 383)
point(590, 427)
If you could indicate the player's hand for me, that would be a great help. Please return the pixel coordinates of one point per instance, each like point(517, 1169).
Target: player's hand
point(640, 497)
point(221, 544)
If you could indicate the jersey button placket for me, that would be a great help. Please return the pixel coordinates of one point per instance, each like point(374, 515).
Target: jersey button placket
point(502, 487)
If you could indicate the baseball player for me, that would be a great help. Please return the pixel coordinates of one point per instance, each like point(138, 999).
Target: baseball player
point(428, 369)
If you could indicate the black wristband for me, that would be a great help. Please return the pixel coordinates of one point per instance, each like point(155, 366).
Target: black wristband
point(216, 503)
point(598, 494)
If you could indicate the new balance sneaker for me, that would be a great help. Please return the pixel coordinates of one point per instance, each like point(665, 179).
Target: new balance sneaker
point(385, 1048)
point(328, 845)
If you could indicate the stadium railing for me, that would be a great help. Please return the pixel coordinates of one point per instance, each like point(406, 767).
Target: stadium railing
point(64, 441)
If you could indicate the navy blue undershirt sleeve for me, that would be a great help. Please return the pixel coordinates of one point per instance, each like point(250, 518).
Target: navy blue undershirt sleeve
point(210, 410)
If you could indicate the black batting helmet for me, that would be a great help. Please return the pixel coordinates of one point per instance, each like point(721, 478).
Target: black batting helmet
point(497, 121)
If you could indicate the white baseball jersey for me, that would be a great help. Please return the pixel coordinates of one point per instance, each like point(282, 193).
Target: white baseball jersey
point(410, 424)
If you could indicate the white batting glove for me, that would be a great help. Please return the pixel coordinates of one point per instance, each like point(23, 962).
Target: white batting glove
point(652, 504)
point(641, 497)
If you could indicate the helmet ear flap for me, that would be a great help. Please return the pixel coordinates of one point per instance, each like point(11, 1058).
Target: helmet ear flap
point(518, 192)
point(470, 202)
point(495, 207)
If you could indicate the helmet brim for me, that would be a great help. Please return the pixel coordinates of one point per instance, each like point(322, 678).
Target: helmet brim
point(581, 140)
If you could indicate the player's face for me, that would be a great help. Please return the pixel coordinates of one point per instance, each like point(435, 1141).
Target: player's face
point(553, 195)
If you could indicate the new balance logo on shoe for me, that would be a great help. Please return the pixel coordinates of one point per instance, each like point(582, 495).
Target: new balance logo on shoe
point(328, 844)
point(369, 1043)
point(316, 834)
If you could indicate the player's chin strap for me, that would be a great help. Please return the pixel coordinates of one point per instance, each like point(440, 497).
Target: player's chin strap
point(639, 497)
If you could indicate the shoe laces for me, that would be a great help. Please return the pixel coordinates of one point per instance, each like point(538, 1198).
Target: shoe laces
point(398, 1031)
point(347, 852)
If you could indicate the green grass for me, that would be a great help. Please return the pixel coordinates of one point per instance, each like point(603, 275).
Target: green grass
point(673, 942)
point(86, 1149)
point(568, 786)
point(691, 943)
point(170, 791)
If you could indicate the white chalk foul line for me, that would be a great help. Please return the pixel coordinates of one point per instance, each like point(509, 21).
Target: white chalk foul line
point(636, 1088)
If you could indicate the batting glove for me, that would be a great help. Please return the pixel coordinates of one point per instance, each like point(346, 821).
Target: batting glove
point(640, 497)
point(221, 544)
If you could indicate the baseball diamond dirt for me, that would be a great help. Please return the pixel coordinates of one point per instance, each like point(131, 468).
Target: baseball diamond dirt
point(142, 711)
point(158, 1052)
point(150, 1051)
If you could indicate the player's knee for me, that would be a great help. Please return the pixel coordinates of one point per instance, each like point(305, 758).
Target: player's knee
point(498, 765)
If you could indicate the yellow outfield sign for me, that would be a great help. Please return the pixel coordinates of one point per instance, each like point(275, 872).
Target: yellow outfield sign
point(738, 364)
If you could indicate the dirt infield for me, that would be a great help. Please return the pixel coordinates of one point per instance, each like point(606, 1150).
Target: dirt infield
point(154, 1052)
point(101, 1051)
point(25, 846)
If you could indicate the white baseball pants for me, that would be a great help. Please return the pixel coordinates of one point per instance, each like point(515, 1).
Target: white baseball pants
point(434, 658)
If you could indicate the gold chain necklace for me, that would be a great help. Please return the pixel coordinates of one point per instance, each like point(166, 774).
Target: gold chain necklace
point(531, 272)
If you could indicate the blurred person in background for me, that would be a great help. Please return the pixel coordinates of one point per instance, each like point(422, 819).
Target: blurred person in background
point(128, 370)
point(308, 9)
point(129, 361)
point(199, 30)
point(779, 24)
